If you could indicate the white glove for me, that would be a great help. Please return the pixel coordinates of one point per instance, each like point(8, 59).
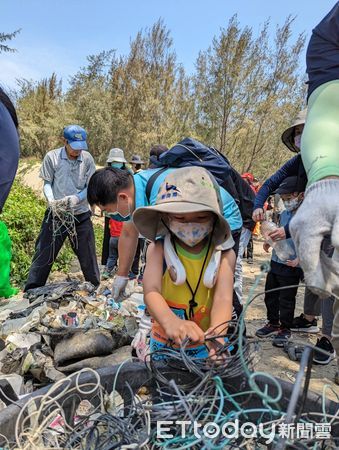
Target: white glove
point(118, 288)
point(72, 200)
point(139, 342)
point(318, 216)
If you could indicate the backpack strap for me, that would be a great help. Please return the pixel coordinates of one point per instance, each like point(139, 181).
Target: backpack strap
point(151, 181)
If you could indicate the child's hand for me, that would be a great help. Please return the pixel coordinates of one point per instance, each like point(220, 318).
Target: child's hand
point(214, 345)
point(292, 262)
point(266, 246)
point(177, 330)
point(278, 235)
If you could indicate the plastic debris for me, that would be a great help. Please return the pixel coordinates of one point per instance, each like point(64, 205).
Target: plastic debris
point(15, 380)
point(63, 327)
point(20, 340)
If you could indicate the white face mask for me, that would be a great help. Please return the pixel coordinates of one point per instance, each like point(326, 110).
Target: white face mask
point(297, 140)
point(292, 204)
point(191, 233)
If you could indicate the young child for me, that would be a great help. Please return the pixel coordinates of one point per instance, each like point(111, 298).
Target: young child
point(115, 228)
point(188, 290)
point(280, 304)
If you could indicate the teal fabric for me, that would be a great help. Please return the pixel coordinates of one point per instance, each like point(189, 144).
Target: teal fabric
point(231, 211)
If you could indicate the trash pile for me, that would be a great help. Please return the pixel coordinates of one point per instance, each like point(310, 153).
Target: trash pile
point(177, 403)
point(60, 328)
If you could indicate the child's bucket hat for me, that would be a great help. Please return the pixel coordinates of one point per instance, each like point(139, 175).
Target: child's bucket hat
point(184, 190)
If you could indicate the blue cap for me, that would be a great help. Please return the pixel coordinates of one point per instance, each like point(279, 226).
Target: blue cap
point(76, 137)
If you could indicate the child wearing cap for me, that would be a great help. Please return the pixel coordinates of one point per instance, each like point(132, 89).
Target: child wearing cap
point(280, 304)
point(112, 230)
point(188, 280)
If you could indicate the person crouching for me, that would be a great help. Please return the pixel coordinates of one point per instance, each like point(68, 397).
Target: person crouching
point(188, 280)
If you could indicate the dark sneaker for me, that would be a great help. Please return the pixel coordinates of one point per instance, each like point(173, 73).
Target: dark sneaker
point(106, 274)
point(302, 325)
point(281, 338)
point(132, 276)
point(267, 330)
point(321, 357)
point(250, 261)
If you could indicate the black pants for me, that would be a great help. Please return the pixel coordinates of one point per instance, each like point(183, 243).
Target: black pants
point(249, 249)
point(280, 304)
point(236, 237)
point(135, 265)
point(47, 248)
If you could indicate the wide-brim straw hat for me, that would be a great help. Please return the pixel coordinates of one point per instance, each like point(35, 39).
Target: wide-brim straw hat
point(184, 190)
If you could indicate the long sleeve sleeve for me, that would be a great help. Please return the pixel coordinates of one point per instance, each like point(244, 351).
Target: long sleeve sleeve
point(9, 153)
point(290, 168)
point(48, 191)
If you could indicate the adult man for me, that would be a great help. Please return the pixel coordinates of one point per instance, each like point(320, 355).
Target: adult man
point(118, 194)
point(66, 172)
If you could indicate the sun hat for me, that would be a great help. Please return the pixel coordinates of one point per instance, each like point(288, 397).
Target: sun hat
point(288, 135)
point(116, 155)
point(185, 190)
point(136, 159)
point(76, 137)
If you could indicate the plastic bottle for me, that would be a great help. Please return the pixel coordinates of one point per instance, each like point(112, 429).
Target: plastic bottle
point(283, 248)
point(266, 228)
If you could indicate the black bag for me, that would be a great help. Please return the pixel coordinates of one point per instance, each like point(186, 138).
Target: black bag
point(190, 152)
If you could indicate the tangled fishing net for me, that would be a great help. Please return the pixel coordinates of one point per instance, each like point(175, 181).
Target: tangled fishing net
point(63, 219)
point(198, 401)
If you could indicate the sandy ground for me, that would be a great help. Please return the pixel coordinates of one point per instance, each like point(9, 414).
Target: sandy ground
point(271, 359)
point(274, 359)
point(29, 174)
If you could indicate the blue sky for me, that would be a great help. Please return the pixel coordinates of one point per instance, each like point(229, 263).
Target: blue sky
point(57, 35)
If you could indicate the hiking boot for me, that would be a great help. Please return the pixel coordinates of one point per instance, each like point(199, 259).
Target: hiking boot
point(323, 358)
point(302, 325)
point(281, 338)
point(267, 330)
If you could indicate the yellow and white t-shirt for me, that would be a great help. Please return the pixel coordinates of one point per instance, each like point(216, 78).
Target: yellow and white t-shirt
point(178, 297)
